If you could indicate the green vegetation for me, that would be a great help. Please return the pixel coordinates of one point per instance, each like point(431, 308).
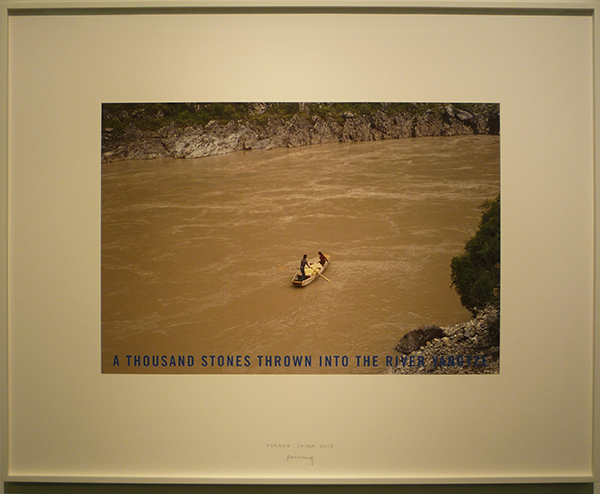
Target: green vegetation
point(152, 116)
point(476, 272)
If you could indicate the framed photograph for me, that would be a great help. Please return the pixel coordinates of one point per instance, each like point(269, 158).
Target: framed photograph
point(299, 244)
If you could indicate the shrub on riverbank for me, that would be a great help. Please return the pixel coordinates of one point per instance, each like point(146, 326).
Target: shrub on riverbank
point(476, 272)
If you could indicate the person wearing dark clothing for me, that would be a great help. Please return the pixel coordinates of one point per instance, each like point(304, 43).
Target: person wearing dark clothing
point(322, 259)
point(303, 264)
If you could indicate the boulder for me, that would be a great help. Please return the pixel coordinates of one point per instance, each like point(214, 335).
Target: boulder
point(417, 338)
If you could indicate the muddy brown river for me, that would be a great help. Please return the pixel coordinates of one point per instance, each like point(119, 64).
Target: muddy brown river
point(198, 255)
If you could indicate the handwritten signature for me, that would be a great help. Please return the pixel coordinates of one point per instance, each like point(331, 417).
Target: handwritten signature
point(302, 458)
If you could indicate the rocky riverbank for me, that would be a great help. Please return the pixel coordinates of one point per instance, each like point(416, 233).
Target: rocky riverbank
point(472, 347)
point(125, 138)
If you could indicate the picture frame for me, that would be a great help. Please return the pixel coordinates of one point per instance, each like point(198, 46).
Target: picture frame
point(228, 429)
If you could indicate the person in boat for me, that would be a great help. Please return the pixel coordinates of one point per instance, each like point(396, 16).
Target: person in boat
point(303, 264)
point(322, 259)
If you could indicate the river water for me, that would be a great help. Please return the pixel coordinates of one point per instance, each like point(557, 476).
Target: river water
point(198, 255)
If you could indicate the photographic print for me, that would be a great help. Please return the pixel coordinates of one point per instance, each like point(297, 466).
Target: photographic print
point(301, 238)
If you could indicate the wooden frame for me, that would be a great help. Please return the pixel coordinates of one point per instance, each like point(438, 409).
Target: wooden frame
point(14, 377)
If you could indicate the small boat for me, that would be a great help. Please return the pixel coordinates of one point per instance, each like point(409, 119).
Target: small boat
point(312, 272)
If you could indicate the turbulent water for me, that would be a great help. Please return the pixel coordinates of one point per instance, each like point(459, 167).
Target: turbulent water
point(198, 255)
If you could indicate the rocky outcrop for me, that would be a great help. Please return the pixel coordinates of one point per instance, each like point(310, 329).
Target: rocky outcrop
point(304, 128)
point(418, 338)
point(472, 347)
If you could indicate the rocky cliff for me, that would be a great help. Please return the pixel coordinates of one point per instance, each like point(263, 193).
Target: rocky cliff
point(472, 347)
point(261, 127)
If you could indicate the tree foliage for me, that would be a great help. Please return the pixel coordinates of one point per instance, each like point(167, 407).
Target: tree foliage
point(476, 272)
